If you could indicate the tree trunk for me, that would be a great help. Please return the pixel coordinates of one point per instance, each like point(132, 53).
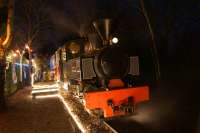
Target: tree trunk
point(2, 84)
point(4, 43)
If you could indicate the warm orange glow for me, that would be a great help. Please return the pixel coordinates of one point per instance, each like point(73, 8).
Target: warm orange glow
point(74, 47)
point(27, 47)
point(14, 54)
point(8, 24)
point(18, 51)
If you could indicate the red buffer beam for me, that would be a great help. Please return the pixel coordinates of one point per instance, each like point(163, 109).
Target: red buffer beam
point(109, 100)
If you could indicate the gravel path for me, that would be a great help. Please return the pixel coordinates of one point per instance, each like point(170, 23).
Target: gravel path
point(27, 115)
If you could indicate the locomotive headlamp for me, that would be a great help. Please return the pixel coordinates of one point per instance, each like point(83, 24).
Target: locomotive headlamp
point(115, 40)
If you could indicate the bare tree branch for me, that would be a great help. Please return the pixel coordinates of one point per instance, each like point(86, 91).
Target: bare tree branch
point(36, 20)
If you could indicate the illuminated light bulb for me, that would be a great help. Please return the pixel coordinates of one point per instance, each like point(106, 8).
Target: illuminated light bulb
point(115, 40)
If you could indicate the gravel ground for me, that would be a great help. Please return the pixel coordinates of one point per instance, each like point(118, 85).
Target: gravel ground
point(89, 123)
point(27, 115)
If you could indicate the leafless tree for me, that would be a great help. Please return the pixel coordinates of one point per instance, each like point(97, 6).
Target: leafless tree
point(33, 21)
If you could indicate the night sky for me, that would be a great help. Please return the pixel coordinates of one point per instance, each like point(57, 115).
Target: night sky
point(176, 26)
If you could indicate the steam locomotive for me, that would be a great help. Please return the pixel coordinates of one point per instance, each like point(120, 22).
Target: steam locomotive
point(103, 76)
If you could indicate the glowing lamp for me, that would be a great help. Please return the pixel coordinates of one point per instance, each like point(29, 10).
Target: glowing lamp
point(14, 54)
point(27, 47)
point(115, 40)
point(18, 51)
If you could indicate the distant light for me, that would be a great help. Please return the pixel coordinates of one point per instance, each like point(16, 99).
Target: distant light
point(115, 40)
point(25, 65)
point(18, 51)
point(14, 54)
point(73, 52)
point(27, 47)
point(66, 86)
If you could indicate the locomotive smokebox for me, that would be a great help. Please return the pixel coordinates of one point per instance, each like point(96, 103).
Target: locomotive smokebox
point(103, 28)
point(111, 63)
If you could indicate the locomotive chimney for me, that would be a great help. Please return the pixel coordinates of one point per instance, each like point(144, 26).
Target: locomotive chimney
point(103, 28)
